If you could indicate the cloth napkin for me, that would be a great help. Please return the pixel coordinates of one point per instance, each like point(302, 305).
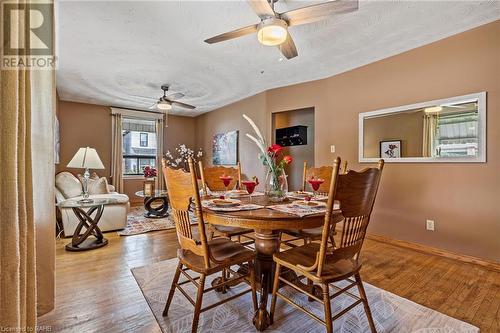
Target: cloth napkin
point(207, 204)
point(299, 210)
point(219, 193)
point(318, 197)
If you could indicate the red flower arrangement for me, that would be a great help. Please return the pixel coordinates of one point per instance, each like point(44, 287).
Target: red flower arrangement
point(274, 149)
point(149, 172)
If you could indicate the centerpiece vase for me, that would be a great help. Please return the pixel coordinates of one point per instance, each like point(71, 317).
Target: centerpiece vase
point(276, 185)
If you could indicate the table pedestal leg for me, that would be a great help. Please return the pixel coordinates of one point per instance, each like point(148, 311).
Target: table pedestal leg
point(266, 244)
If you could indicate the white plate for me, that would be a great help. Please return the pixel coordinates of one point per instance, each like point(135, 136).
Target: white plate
point(237, 193)
point(309, 204)
point(300, 194)
point(225, 202)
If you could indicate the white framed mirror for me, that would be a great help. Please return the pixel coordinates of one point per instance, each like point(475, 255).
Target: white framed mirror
point(446, 130)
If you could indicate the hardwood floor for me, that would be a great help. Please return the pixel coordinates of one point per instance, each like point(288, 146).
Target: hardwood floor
point(96, 291)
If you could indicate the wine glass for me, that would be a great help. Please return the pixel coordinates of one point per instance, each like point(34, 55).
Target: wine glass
point(226, 180)
point(250, 186)
point(315, 184)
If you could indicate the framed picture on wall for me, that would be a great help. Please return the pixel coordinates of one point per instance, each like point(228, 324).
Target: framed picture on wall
point(390, 149)
point(225, 148)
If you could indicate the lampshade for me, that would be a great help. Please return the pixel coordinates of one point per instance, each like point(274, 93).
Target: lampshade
point(272, 32)
point(86, 158)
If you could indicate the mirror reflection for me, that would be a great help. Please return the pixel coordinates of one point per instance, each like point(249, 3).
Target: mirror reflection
point(449, 130)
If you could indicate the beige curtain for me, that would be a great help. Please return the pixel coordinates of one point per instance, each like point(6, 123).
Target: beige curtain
point(17, 228)
point(429, 133)
point(117, 153)
point(160, 181)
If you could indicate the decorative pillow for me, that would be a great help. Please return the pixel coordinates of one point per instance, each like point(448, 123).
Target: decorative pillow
point(96, 185)
point(68, 185)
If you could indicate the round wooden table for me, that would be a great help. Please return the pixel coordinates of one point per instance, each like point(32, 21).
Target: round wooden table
point(267, 224)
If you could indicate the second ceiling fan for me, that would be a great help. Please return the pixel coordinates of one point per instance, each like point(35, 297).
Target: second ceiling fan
point(273, 28)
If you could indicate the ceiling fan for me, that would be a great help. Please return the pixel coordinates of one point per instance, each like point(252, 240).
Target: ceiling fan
point(273, 28)
point(166, 103)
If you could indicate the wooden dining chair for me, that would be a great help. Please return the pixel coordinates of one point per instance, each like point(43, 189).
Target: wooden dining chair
point(205, 257)
point(210, 177)
point(312, 234)
point(211, 181)
point(324, 172)
point(356, 192)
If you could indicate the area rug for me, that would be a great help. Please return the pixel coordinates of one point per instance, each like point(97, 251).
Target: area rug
point(391, 313)
point(137, 223)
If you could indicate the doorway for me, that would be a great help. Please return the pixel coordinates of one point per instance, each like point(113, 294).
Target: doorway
point(300, 152)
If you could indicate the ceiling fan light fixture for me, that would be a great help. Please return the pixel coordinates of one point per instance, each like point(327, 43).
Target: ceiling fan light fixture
point(163, 105)
point(272, 32)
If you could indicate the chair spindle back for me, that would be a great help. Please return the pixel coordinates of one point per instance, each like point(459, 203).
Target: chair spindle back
point(183, 192)
point(356, 192)
point(210, 177)
point(323, 172)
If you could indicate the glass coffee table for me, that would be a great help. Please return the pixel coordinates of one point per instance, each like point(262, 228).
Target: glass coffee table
point(84, 211)
point(156, 204)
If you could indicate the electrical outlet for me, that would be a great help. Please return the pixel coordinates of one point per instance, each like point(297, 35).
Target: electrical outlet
point(430, 225)
point(332, 149)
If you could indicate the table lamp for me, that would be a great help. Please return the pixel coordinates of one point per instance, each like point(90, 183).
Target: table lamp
point(86, 158)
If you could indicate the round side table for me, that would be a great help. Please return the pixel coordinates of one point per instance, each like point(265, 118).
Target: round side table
point(84, 211)
point(160, 199)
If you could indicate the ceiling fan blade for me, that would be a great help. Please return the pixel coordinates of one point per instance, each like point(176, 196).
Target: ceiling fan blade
point(183, 105)
point(153, 107)
point(232, 34)
point(262, 8)
point(288, 48)
point(318, 12)
point(175, 96)
point(143, 97)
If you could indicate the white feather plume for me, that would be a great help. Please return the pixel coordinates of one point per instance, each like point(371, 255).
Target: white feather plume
point(255, 128)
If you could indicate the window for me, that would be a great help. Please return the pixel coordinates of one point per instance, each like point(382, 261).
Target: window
point(139, 145)
point(143, 139)
point(457, 135)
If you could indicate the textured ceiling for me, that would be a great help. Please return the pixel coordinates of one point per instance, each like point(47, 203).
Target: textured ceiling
point(111, 52)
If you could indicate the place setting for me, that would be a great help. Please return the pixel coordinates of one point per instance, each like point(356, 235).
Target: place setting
point(227, 201)
point(223, 204)
point(303, 207)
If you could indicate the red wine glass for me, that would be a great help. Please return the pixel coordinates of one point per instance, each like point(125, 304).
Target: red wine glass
point(315, 184)
point(226, 180)
point(250, 186)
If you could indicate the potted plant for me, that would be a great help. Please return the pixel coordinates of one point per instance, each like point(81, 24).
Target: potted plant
point(149, 181)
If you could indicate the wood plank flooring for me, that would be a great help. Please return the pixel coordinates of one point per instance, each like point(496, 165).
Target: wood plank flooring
point(96, 291)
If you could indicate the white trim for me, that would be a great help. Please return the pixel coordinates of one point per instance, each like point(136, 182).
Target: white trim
point(132, 177)
point(137, 114)
point(481, 158)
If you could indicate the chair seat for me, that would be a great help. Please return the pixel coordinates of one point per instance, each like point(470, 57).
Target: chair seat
point(231, 231)
point(312, 233)
point(306, 256)
point(223, 250)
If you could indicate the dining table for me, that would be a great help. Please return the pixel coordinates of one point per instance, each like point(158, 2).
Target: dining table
point(267, 224)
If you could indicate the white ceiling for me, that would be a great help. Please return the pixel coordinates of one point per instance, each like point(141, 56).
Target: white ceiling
point(109, 51)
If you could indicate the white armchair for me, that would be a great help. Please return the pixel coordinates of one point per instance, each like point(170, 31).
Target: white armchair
point(114, 216)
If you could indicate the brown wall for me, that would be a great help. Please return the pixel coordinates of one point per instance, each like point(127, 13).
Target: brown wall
point(90, 125)
point(463, 199)
point(230, 118)
point(407, 127)
point(84, 125)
